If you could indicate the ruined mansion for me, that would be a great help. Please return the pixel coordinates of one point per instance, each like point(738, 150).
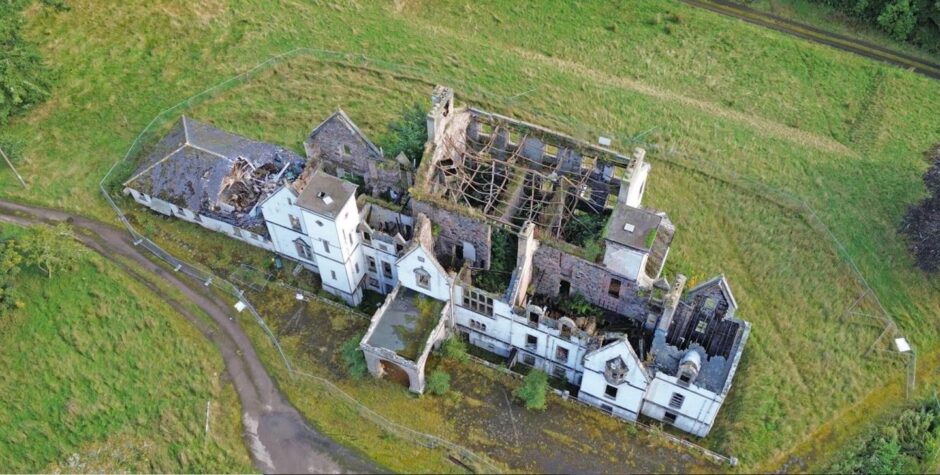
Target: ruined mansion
point(532, 245)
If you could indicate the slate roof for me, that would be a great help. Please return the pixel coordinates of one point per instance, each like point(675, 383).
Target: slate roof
point(325, 194)
point(187, 166)
point(341, 117)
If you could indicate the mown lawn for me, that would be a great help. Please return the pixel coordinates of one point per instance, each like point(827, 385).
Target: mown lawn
point(841, 133)
point(100, 375)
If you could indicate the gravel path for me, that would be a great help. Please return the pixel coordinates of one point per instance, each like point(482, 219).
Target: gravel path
point(278, 437)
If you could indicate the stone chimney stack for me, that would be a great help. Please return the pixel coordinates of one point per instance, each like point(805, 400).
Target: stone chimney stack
point(442, 107)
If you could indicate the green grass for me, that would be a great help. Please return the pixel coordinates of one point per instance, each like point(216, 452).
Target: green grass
point(100, 375)
point(827, 18)
point(842, 133)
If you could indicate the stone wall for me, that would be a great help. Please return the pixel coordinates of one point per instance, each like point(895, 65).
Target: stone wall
point(552, 266)
point(453, 229)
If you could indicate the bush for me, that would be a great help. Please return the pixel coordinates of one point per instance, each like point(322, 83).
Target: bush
point(456, 349)
point(438, 383)
point(908, 444)
point(352, 355)
point(533, 390)
point(407, 135)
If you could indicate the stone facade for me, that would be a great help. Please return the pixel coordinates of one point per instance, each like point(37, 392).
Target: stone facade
point(454, 229)
point(553, 267)
point(342, 150)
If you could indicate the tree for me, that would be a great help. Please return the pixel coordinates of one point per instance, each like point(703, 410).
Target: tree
point(407, 134)
point(51, 248)
point(10, 261)
point(438, 383)
point(922, 222)
point(455, 349)
point(898, 19)
point(353, 357)
point(533, 390)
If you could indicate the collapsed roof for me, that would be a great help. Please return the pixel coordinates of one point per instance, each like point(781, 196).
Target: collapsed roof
point(214, 172)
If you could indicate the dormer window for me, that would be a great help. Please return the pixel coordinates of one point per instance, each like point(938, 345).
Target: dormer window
point(423, 279)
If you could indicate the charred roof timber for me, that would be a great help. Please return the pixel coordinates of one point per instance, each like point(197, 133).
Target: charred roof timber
point(213, 172)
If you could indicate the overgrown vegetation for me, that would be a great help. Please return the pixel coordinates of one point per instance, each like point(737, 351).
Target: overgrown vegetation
point(906, 444)
point(455, 348)
point(533, 390)
point(24, 78)
point(922, 222)
point(407, 134)
point(578, 305)
point(917, 21)
point(355, 361)
point(438, 383)
point(503, 247)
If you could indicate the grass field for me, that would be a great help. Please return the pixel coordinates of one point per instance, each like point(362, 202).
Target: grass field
point(100, 376)
point(843, 134)
point(830, 19)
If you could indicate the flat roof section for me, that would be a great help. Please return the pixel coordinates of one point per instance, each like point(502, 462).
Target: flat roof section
point(633, 227)
point(406, 324)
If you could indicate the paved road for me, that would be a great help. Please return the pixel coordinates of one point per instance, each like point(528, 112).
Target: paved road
point(817, 35)
point(278, 437)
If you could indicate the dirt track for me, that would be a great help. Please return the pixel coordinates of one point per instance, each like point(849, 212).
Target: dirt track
point(816, 35)
point(277, 436)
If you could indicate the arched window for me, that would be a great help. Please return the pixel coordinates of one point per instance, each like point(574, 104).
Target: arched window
point(423, 278)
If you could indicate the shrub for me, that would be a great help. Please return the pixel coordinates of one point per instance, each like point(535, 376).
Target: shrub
point(438, 383)
point(352, 355)
point(407, 135)
point(908, 444)
point(533, 390)
point(456, 349)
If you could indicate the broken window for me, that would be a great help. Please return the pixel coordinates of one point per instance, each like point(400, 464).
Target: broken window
point(564, 288)
point(531, 342)
point(614, 289)
point(559, 372)
point(371, 263)
point(478, 302)
point(197, 218)
point(423, 279)
point(676, 401)
point(344, 149)
point(607, 408)
point(561, 354)
point(295, 222)
point(373, 282)
point(367, 237)
point(237, 232)
point(477, 325)
point(303, 250)
point(387, 269)
point(610, 392)
point(670, 417)
point(528, 359)
point(534, 318)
